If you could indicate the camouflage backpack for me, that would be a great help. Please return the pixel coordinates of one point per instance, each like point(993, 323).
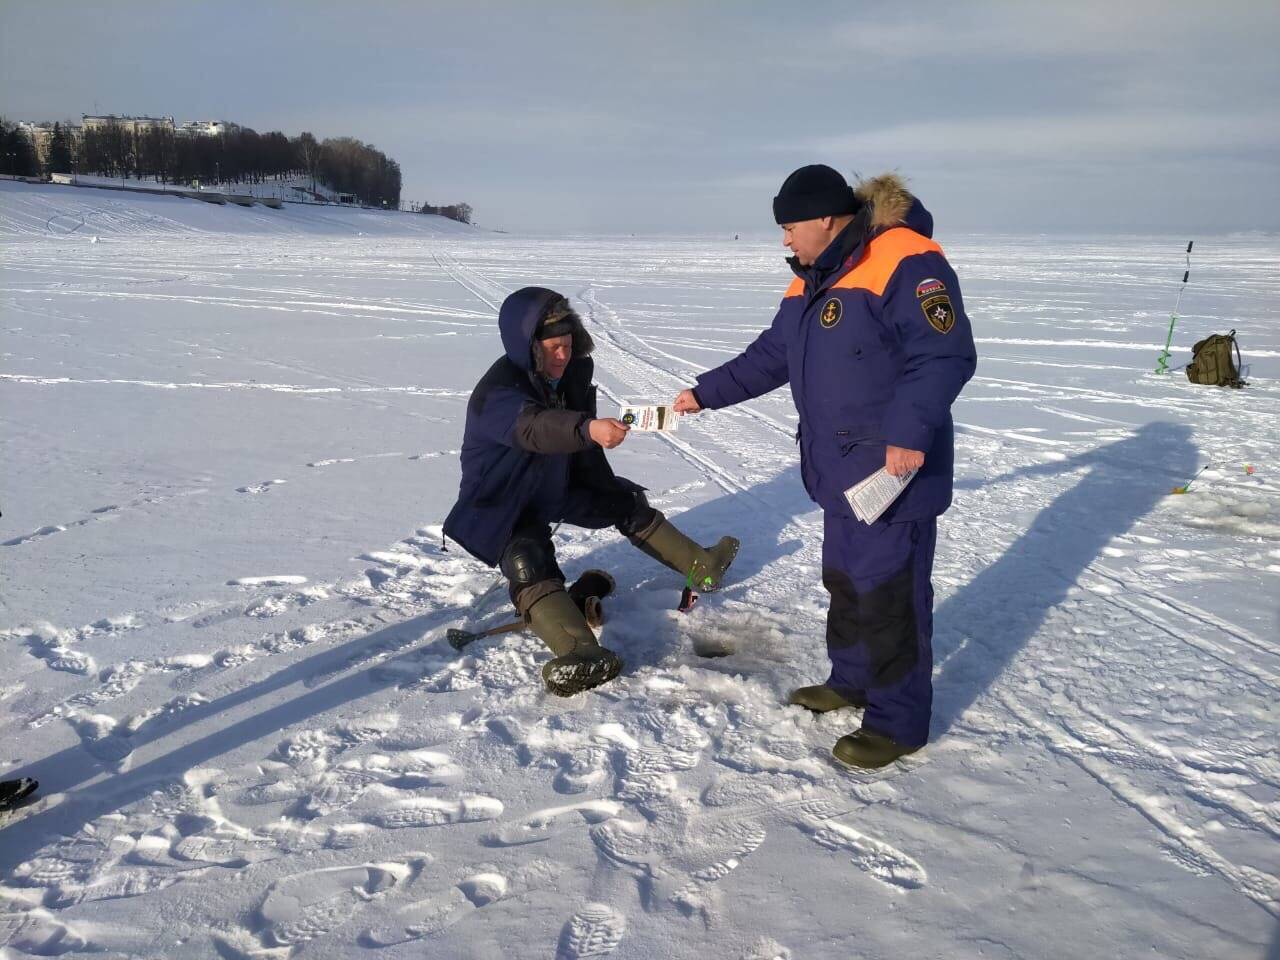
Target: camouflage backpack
point(1212, 362)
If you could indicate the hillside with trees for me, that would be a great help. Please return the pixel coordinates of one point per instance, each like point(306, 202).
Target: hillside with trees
point(120, 149)
point(114, 149)
point(242, 155)
point(17, 152)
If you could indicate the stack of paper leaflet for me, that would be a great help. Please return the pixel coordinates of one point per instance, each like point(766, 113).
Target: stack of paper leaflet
point(872, 496)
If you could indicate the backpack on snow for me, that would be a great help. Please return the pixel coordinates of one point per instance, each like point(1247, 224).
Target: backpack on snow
point(1212, 362)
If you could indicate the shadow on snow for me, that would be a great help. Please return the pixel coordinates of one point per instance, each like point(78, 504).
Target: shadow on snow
point(1010, 599)
point(1002, 607)
point(776, 501)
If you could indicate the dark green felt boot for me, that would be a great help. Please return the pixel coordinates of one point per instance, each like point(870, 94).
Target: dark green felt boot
point(869, 750)
point(580, 662)
point(705, 567)
point(820, 699)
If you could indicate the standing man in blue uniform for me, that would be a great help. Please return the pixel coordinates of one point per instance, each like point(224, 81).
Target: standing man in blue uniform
point(873, 338)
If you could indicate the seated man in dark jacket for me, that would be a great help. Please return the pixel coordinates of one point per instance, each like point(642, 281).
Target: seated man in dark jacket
point(533, 455)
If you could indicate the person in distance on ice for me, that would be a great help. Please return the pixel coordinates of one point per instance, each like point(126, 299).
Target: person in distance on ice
point(873, 338)
point(533, 455)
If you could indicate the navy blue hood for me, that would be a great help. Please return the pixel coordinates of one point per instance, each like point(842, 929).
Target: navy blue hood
point(521, 314)
point(919, 219)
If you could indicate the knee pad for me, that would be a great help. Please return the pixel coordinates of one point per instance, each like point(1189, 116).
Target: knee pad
point(642, 520)
point(529, 560)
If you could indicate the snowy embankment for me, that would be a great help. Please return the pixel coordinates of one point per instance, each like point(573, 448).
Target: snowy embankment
point(86, 214)
point(231, 435)
point(297, 188)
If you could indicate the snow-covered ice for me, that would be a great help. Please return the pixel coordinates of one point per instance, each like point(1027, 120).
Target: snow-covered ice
point(231, 436)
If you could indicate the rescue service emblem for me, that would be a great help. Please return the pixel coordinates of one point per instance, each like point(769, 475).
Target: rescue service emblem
point(939, 312)
point(831, 312)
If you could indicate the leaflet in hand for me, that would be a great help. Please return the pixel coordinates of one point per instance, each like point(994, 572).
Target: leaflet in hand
point(872, 496)
point(651, 419)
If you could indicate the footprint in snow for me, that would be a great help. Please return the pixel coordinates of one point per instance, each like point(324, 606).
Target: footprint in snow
point(881, 860)
point(435, 812)
point(262, 487)
point(419, 920)
point(309, 905)
point(280, 580)
point(766, 948)
point(34, 535)
point(432, 914)
point(595, 930)
point(68, 660)
point(36, 932)
point(550, 821)
point(108, 744)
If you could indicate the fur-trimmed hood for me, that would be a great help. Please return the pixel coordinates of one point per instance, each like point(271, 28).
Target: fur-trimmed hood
point(891, 204)
point(524, 311)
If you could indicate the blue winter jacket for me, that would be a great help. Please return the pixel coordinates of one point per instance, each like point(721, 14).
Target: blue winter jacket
point(525, 444)
point(876, 345)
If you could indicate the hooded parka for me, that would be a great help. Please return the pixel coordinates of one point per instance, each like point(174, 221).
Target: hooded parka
point(526, 451)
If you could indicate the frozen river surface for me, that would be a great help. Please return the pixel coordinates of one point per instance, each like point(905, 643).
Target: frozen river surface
point(230, 437)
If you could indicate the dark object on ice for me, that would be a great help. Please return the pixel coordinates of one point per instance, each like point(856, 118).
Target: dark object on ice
point(461, 638)
point(820, 699)
point(586, 593)
point(869, 750)
point(1216, 361)
point(592, 585)
point(13, 792)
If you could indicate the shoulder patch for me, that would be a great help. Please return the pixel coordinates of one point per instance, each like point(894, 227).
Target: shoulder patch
point(929, 287)
point(832, 310)
point(939, 312)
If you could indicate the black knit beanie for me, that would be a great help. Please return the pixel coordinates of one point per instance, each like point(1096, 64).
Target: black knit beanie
point(814, 191)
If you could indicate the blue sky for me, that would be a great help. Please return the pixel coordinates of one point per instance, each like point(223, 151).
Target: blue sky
point(660, 116)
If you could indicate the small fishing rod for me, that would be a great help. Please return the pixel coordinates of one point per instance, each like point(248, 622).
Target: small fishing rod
point(1162, 365)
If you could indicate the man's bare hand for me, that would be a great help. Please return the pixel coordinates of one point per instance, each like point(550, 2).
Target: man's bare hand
point(898, 460)
point(608, 432)
point(686, 402)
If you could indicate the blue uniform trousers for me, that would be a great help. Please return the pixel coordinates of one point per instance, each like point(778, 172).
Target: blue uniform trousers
point(880, 624)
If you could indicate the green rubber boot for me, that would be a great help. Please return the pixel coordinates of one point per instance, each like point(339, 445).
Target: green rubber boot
point(580, 663)
point(821, 699)
point(869, 750)
point(705, 567)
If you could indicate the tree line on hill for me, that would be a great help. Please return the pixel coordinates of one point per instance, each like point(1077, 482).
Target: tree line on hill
point(241, 155)
point(342, 164)
point(454, 211)
point(17, 152)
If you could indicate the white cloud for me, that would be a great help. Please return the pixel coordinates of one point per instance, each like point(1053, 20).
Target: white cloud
point(1130, 29)
point(1109, 136)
